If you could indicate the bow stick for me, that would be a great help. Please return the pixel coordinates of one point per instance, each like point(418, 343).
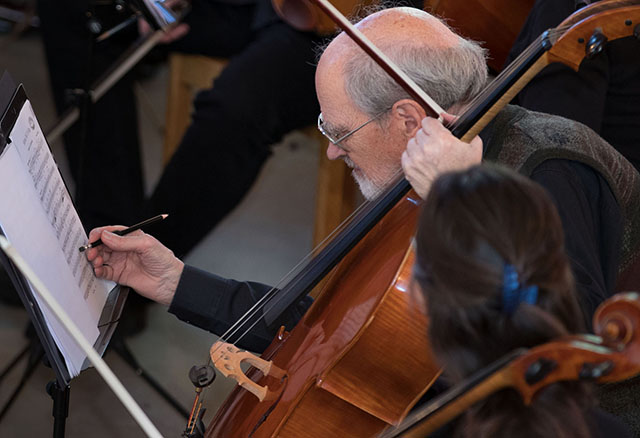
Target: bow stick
point(109, 377)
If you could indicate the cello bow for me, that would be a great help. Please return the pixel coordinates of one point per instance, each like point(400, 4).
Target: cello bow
point(471, 121)
point(584, 33)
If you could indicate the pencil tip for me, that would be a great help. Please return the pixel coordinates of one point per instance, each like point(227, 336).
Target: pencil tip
point(82, 248)
point(164, 216)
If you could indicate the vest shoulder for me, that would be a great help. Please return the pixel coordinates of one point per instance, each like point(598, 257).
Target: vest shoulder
point(546, 130)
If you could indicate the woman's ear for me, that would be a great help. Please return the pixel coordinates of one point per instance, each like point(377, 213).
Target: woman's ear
point(408, 115)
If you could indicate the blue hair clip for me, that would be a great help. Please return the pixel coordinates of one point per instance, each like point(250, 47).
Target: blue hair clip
point(513, 293)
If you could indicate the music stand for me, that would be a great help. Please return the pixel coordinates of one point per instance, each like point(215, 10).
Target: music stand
point(12, 99)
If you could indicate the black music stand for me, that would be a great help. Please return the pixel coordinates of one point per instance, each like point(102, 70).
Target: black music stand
point(12, 99)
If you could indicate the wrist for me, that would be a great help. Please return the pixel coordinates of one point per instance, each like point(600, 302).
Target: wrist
point(170, 282)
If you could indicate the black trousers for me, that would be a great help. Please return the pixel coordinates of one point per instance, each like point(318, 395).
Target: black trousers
point(266, 91)
point(102, 149)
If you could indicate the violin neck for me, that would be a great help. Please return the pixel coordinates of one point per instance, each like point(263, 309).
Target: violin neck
point(456, 400)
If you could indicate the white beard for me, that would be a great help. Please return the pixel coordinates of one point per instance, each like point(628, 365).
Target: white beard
point(368, 188)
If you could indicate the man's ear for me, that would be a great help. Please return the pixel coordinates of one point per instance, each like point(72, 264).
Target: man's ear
point(408, 114)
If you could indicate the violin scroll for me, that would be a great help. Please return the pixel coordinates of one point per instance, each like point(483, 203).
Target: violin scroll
point(617, 320)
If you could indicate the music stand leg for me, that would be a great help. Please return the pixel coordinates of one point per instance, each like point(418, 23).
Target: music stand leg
point(36, 353)
point(60, 407)
point(14, 362)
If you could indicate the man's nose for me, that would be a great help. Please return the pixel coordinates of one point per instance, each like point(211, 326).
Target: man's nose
point(334, 152)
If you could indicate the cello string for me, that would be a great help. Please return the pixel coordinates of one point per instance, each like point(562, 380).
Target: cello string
point(270, 304)
point(552, 34)
point(259, 305)
point(203, 396)
point(265, 302)
point(516, 64)
point(494, 84)
point(267, 298)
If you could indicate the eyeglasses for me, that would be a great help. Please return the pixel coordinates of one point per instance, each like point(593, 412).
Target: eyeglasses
point(336, 141)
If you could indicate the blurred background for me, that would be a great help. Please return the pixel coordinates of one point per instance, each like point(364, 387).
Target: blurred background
point(260, 240)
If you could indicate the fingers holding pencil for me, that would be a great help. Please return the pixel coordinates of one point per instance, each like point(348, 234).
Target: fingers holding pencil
point(137, 260)
point(121, 231)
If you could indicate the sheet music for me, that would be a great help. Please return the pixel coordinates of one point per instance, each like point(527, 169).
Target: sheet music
point(40, 221)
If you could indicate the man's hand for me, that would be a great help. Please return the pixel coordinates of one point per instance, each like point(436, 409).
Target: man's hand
point(172, 34)
point(435, 150)
point(137, 260)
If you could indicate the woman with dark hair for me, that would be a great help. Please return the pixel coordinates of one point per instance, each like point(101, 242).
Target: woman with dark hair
point(492, 268)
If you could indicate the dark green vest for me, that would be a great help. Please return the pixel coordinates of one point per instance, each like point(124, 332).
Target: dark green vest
point(535, 137)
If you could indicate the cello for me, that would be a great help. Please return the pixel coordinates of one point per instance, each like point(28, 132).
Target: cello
point(612, 355)
point(342, 357)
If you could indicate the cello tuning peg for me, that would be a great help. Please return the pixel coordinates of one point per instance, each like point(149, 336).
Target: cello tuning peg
point(538, 370)
point(593, 371)
point(596, 43)
point(202, 375)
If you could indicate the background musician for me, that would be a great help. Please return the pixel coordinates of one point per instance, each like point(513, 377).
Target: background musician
point(492, 268)
point(373, 143)
point(604, 94)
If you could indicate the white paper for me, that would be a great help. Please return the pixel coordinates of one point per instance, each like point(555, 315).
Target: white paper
point(38, 218)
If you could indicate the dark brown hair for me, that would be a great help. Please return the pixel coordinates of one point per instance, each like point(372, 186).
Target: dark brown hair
point(475, 222)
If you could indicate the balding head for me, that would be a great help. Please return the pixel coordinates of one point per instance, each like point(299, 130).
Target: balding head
point(352, 88)
point(397, 27)
point(449, 68)
point(401, 27)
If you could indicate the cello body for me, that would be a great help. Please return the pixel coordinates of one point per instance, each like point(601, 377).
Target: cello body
point(360, 358)
point(361, 352)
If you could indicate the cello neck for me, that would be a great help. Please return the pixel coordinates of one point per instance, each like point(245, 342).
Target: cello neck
point(488, 103)
point(554, 45)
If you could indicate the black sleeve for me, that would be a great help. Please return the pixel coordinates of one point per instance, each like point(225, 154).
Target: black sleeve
point(592, 222)
point(606, 425)
point(215, 304)
point(558, 89)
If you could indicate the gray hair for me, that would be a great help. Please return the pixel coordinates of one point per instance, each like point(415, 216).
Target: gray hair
point(451, 75)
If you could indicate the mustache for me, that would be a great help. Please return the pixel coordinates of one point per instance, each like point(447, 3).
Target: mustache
point(349, 162)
